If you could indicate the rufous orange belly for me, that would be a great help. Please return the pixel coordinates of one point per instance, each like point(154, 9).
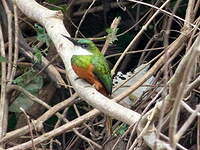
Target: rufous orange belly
point(88, 75)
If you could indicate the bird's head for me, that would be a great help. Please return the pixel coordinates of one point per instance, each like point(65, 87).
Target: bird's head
point(83, 46)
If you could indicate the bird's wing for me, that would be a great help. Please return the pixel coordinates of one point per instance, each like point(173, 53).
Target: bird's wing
point(102, 71)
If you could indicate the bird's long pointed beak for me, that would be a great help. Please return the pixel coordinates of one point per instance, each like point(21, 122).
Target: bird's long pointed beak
point(71, 39)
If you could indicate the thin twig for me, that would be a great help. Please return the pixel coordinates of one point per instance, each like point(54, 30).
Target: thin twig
point(178, 145)
point(16, 46)
point(170, 20)
point(82, 19)
point(188, 108)
point(187, 124)
point(29, 125)
point(190, 14)
point(96, 8)
point(196, 7)
point(10, 37)
point(3, 100)
point(136, 51)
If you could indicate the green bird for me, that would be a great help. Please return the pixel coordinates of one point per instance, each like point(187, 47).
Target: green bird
point(90, 64)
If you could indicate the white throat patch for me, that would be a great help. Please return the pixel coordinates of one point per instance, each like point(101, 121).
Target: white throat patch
point(81, 51)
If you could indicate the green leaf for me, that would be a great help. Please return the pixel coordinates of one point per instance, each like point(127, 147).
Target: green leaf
point(20, 101)
point(122, 129)
point(33, 87)
point(112, 34)
point(2, 59)
point(38, 55)
point(109, 30)
point(21, 80)
point(42, 35)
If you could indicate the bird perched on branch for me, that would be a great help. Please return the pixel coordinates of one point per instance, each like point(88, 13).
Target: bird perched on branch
point(90, 64)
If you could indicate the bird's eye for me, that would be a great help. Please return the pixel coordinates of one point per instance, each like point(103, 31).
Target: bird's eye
point(84, 45)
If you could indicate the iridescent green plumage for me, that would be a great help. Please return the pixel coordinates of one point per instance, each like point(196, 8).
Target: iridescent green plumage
point(97, 60)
